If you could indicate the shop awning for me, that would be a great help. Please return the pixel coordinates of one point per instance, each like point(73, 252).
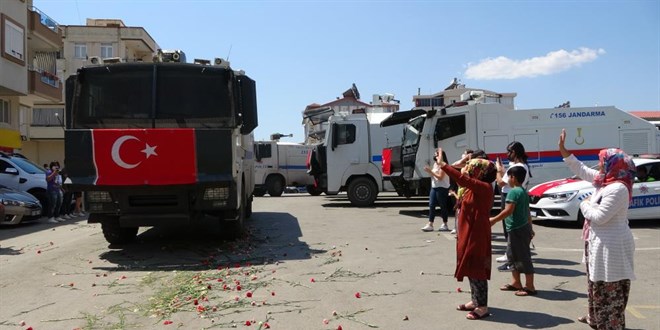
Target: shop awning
point(10, 138)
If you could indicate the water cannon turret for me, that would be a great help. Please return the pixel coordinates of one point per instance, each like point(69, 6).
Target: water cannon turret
point(170, 56)
point(278, 136)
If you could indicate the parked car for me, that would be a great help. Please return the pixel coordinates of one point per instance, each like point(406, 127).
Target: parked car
point(18, 206)
point(560, 199)
point(18, 172)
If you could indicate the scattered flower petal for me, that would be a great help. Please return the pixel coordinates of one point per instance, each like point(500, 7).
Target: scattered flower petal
point(358, 295)
point(459, 290)
point(167, 322)
point(326, 321)
point(249, 294)
point(248, 323)
point(22, 323)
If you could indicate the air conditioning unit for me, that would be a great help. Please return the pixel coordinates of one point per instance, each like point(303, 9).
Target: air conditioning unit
point(112, 60)
point(96, 60)
point(220, 62)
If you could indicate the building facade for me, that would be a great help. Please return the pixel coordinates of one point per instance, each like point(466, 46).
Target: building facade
point(37, 55)
point(315, 116)
point(81, 45)
point(30, 45)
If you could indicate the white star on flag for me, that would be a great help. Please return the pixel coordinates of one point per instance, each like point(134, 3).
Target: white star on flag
point(149, 150)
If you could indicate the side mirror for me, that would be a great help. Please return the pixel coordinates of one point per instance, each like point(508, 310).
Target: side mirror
point(11, 170)
point(334, 136)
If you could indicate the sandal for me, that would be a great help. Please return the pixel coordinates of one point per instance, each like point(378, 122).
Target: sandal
point(586, 320)
point(524, 292)
point(464, 308)
point(509, 287)
point(475, 316)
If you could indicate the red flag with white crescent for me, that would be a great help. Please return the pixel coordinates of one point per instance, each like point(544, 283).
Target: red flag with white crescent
point(144, 156)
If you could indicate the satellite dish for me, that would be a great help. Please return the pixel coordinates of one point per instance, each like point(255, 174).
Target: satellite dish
point(355, 91)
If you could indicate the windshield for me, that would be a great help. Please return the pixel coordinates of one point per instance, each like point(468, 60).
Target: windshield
point(28, 166)
point(412, 131)
point(153, 95)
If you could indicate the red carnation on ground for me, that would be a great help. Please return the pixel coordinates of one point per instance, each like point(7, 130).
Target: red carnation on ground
point(167, 322)
point(358, 295)
point(249, 294)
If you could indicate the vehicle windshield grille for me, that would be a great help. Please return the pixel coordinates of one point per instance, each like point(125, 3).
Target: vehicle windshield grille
point(153, 95)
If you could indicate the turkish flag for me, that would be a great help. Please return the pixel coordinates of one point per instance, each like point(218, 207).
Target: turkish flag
point(144, 156)
point(387, 161)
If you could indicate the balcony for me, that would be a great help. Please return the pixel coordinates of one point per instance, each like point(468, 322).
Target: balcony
point(43, 32)
point(44, 86)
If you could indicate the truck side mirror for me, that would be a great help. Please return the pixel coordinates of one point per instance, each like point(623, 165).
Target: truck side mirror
point(334, 136)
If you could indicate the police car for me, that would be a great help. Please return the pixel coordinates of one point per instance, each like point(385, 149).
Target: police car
point(560, 199)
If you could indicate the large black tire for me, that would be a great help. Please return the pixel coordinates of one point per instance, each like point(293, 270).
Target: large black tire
point(115, 234)
point(42, 196)
point(362, 192)
point(234, 229)
point(580, 219)
point(313, 190)
point(248, 209)
point(275, 186)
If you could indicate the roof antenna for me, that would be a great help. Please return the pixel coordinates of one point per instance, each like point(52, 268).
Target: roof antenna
point(229, 52)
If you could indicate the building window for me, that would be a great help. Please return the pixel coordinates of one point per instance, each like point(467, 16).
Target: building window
point(106, 50)
point(5, 110)
point(47, 117)
point(13, 40)
point(79, 50)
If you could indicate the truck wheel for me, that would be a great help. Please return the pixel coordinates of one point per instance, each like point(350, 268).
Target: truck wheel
point(259, 192)
point(248, 209)
point(580, 219)
point(115, 234)
point(234, 228)
point(362, 192)
point(42, 196)
point(275, 186)
point(312, 190)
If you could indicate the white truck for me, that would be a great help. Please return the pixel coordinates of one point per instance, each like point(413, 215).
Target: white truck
point(281, 164)
point(350, 158)
point(492, 126)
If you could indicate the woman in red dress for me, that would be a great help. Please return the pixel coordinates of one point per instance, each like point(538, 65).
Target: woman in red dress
point(473, 249)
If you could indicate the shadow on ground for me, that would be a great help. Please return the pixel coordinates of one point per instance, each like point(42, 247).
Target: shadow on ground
point(271, 237)
point(526, 320)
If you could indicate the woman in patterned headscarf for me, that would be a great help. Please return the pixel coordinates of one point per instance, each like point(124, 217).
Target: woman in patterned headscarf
point(609, 244)
point(473, 247)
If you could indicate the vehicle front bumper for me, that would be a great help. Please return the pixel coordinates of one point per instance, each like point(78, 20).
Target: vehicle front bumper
point(17, 214)
point(545, 209)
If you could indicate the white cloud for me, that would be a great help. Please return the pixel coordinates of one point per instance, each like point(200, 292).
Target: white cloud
point(553, 62)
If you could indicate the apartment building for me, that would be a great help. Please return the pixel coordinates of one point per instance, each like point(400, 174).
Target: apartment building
point(98, 38)
point(30, 42)
point(38, 54)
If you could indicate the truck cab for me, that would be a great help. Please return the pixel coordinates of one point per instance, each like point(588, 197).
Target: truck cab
point(350, 159)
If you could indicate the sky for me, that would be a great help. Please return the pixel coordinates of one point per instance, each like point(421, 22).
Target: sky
point(301, 52)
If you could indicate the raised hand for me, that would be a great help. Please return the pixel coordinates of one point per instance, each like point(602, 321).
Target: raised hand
point(562, 140)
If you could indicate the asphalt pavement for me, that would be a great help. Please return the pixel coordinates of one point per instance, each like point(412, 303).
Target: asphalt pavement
point(307, 263)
